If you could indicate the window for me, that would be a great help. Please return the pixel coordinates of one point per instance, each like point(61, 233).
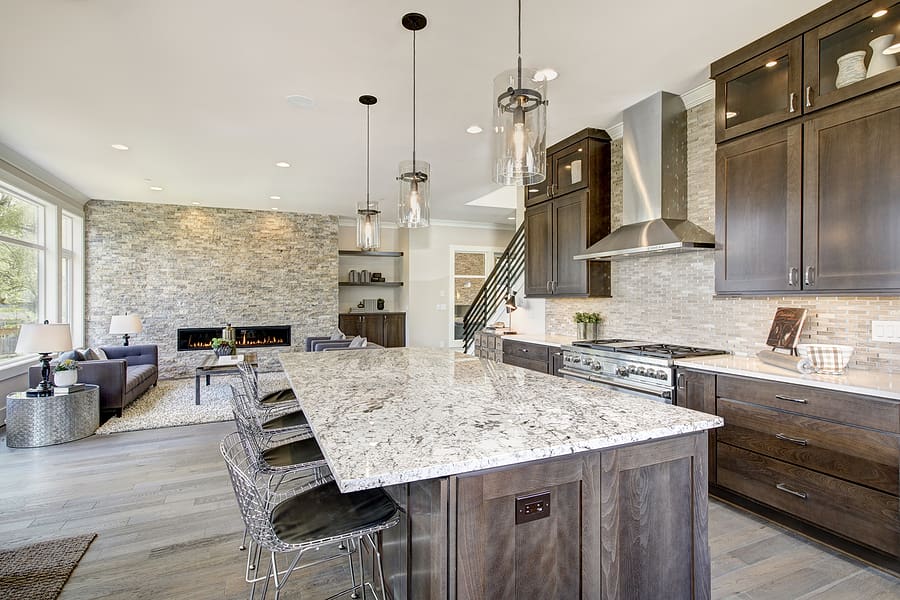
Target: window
point(470, 269)
point(41, 266)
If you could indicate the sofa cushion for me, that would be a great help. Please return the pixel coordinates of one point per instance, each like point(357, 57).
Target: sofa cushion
point(72, 355)
point(138, 374)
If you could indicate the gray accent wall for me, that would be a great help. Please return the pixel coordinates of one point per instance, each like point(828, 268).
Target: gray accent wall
point(185, 266)
point(671, 297)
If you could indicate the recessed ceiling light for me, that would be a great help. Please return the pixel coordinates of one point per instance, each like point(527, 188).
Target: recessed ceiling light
point(730, 115)
point(473, 129)
point(282, 164)
point(274, 197)
point(879, 13)
point(545, 75)
point(511, 218)
point(195, 203)
point(120, 146)
point(895, 49)
point(300, 100)
point(156, 188)
point(274, 208)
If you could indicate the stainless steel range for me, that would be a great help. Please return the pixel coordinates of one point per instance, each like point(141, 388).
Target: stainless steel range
point(640, 367)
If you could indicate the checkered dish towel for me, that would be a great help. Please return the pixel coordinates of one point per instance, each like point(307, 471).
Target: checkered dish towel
point(826, 360)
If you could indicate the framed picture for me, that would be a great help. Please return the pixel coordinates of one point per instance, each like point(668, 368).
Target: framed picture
point(786, 326)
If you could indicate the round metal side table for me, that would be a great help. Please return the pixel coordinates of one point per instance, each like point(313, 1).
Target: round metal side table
point(48, 420)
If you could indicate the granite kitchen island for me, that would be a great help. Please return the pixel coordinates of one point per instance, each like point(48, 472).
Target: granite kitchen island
point(514, 484)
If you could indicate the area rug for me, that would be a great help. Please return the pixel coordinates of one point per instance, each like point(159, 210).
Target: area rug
point(171, 403)
point(39, 571)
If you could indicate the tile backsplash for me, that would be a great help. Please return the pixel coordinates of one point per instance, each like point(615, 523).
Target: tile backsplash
point(671, 297)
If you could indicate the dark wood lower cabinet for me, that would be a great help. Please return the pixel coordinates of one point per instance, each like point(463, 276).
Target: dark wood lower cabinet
point(384, 329)
point(528, 355)
point(697, 391)
point(629, 522)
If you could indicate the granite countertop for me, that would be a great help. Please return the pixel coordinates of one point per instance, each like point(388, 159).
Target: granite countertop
point(857, 381)
point(391, 416)
point(540, 338)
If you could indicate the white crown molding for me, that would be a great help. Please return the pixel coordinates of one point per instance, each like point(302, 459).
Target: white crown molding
point(349, 222)
point(691, 98)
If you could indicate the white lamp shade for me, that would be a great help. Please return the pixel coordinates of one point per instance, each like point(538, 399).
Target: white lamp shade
point(122, 324)
point(44, 337)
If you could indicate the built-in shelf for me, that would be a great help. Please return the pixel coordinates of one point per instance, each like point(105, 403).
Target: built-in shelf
point(373, 253)
point(372, 283)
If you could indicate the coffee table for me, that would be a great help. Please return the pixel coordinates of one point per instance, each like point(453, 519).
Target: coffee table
point(211, 367)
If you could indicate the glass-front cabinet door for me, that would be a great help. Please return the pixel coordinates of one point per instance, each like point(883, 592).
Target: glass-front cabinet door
point(760, 92)
point(570, 169)
point(853, 54)
point(537, 192)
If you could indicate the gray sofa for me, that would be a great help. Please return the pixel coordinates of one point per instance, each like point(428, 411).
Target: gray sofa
point(129, 372)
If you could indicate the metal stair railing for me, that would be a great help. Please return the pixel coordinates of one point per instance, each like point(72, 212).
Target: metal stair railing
point(496, 287)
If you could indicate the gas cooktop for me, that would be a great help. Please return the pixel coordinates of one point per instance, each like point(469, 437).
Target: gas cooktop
point(650, 349)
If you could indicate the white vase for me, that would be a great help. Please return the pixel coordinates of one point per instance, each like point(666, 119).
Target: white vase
point(881, 62)
point(65, 378)
point(851, 68)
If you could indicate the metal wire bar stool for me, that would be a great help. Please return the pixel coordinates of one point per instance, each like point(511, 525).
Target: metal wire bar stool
point(272, 425)
point(306, 518)
point(271, 403)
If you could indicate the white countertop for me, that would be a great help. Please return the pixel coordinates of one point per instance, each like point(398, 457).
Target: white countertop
point(391, 416)
point(857, 381)
point(540, 338)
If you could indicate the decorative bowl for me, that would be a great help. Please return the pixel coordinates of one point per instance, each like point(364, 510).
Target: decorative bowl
point(828, 359)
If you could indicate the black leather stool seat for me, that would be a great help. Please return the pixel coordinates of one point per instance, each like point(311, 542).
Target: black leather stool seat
point(294, 453)
point(279, 396)
point(294, 419)
point(324, 512)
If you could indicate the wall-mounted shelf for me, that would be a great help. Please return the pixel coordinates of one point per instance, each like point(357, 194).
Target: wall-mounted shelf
point(372, 283)
point(374, 253)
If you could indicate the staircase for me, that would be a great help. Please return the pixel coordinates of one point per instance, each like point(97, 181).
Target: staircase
point(496, 288)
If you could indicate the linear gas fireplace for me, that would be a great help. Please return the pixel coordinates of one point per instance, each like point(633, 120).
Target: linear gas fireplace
point(199, 338)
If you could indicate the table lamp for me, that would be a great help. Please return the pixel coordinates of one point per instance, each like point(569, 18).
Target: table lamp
point(43, 338)
point(125, 325)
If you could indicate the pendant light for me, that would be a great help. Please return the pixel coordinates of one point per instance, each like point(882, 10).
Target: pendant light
point(368, 217)
point(520, 124)
point(414, 174)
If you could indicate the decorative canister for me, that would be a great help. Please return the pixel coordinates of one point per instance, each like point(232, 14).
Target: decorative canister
point(588, 331)
point(851, 68)
point(881, 62)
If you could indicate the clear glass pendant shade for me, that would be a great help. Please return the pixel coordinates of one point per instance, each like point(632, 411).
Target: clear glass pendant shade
point(520, 128)
point(368, 226)
point(415, 182)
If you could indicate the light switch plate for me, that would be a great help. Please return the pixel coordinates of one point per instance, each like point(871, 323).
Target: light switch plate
point(886, 331)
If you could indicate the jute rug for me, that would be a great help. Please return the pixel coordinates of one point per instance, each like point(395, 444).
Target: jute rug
point(171, 403)
point(39, 571)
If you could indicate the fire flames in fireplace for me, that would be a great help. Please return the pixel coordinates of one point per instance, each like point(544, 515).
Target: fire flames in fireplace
point(200, 338)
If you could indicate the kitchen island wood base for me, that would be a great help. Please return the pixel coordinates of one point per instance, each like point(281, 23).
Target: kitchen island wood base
point(626, 522)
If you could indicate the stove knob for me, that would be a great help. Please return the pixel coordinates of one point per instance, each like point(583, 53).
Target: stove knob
point(622, 371)
point(632, 369)
point(642, 371)
point(577, 359)
point(661, 375)
point(598, 367)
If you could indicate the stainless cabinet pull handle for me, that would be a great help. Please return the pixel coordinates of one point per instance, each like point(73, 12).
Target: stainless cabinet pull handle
point(785, 488)
point(548, 288)
point(793, 274)
point(810, 277)
point(786, 438)
point(680, 381)
point(808, 96)
point(789, 399)
point(792, 103)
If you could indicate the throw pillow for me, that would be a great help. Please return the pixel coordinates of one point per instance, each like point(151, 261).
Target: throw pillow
point(101, 353)
point(89, 354)
point(358, 342)
point(338, 335)
point(72, 355)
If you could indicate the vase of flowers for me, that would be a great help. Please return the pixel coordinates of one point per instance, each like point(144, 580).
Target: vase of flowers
point(588, 325)
point(223, 347)
point(65, 373)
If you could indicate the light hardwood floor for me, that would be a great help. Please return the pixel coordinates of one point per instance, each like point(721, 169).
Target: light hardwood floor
point(169, 528)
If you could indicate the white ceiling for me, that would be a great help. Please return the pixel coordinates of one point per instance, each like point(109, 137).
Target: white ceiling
point(197, 89)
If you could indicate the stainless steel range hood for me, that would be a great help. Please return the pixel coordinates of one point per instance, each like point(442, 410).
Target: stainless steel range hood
point(654, 212)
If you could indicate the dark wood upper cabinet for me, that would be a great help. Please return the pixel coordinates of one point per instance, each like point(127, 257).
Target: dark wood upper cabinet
point(760, 92)
point(851, 196)
point(864, 29)
point(758, 200)
point(568, 213)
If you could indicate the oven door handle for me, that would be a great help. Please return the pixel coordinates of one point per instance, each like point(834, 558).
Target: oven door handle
point(666, 394)
point(576, 374)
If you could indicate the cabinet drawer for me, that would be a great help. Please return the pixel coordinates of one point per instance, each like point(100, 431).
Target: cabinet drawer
point(852, 409)
point(526, 351)
point(863, 456)
point(855, 512)
point(534, 365)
